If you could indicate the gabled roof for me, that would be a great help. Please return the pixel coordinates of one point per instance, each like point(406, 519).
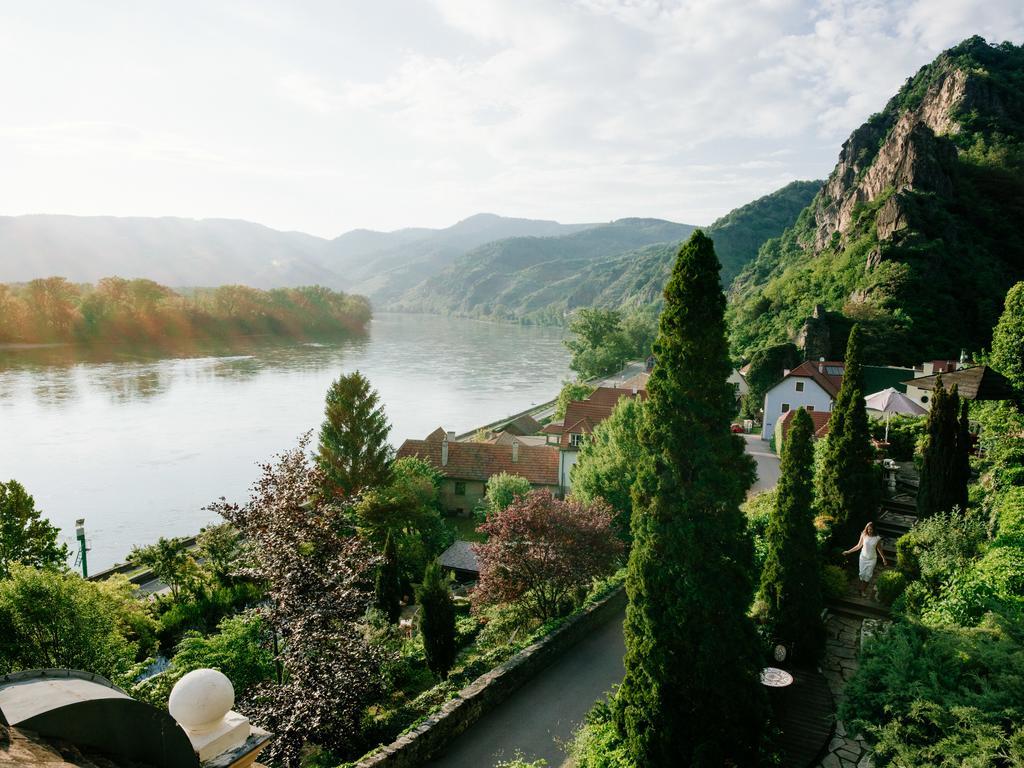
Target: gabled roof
point(827, 374)
point(480, 461)
point(506, 438)
point(977, 383)
point(521, 425)
point(583, 416)
point(819, 419)
point(612, 395)
point(460, 557)
point(554, 427)
point(437, 435)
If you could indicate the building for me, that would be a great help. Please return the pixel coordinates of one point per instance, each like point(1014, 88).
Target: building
point(467, 467)
point(926, 371)
point(460, 561)
point(520, 426)
point(811, 386)
point(819, 419)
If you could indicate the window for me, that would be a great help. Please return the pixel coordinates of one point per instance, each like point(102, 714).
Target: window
point(809, 407)
point(799, 386)
point(460, 488)
point(575, 440)
point(785, 407)
point(924, 398)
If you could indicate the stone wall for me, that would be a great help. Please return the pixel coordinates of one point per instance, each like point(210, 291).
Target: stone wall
point(482, 695)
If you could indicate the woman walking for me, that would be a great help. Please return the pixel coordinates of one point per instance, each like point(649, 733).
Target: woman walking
point(870, 546)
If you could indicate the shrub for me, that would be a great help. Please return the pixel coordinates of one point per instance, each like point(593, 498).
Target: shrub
point(1009, 513)
point(597, 743)
point(834, 582)
point(890, 585)
point(940, 546)
point(904, 434)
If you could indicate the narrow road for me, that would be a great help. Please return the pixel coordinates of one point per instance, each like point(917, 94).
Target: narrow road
point(767, 463)
point(541, 717)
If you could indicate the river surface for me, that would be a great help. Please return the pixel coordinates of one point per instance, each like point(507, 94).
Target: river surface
point(138, 445)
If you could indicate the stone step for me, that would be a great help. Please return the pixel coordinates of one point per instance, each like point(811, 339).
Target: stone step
point(858, 608)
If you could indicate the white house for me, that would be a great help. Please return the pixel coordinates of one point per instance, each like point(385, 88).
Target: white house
point(811, 385)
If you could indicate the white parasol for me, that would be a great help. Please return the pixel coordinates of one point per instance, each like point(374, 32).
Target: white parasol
point(890, 401)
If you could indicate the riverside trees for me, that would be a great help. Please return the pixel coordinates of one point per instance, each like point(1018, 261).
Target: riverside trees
point(25, 536)
point(691, 694)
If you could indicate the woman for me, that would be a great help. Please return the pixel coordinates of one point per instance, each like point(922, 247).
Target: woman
point(870, 546)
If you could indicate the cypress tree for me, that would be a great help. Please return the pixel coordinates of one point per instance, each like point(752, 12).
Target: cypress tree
point(791, 579)
point(388, 584)
point(848, 488)
point(691, 694)
point(945, 466)
point(353, 451)
point(437, 620)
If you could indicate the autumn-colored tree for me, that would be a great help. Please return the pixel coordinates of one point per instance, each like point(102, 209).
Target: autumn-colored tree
point(25, 535)
point(320, 583)
point(540, 550)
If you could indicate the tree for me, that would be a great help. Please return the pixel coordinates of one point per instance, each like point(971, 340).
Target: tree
point(58, 620)
point(222, 549)
point(691, 694)
point(1008, 338)
point(765, 371)
point(607, 463)
point(437, 620)
point(25, 536)
point(599, 346)
point(353, 452)
point(171, 562)
point(502, 490)
point(388, 583)
point(847, 486)
point(945, 468)
point(319, 580)
point(790, 593)
point(571, 390)
point(540, 550)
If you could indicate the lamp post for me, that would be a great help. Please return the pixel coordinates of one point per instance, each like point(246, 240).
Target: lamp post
point(82, 548)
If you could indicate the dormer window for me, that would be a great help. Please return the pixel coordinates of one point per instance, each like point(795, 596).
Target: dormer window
point(575, 440)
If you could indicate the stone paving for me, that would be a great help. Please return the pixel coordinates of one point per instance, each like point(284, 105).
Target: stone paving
point(846, 750)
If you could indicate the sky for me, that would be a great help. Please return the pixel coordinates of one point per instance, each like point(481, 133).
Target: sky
point(327, 116)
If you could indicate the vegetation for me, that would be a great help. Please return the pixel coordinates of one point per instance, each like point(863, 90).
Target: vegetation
point(387, 585)
point(689, 581)
point(1008, 338)
point(503, 489)
point(25, 536)
point(607, 463)
point(144, 312)
point(353, 452)
point(944, 468)
point(847, 486)
point(437, 620)
point(599, 346)
point(766, 370)
point(170, 561)
point(541, 551)
point(571, 391)
point(790, 594)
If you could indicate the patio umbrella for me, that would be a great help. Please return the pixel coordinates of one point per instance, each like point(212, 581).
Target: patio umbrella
point(890, 401)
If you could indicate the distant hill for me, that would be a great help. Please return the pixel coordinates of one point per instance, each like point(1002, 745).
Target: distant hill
point(622, 265)
point(916, 233)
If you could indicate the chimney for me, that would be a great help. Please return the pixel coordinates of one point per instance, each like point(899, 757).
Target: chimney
point(785, 372)
point(515, 451)
point(444, 451)
point(634, 391)
point(821, 368)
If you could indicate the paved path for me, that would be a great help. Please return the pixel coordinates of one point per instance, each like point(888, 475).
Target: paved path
point(542, 715)
point(767, 463)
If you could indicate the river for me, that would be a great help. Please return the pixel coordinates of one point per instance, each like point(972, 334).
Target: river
point(138, 445)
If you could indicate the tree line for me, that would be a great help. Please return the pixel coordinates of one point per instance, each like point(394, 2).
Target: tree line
point(118, 310)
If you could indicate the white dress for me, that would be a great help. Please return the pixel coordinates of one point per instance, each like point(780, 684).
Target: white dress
point(868, 557)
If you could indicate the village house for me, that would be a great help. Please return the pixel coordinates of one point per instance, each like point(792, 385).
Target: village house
point(467, 467)
point(819, 421)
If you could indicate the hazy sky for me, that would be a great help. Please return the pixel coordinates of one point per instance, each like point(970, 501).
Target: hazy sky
point(325, 116)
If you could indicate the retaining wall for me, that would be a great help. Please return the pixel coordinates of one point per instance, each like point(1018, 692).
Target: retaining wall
point(482, 695)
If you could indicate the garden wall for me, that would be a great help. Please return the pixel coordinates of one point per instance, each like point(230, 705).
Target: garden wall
point(490, 689)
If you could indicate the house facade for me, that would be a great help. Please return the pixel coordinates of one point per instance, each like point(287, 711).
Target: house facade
point(811, 386)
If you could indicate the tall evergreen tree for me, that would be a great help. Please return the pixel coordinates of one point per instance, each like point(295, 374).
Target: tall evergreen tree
point(1008, 339)
point(437, 622)
point(388, 583)
point(791, 579)
point(353, 452)
point(691, 694)
point(945, 468)
point(848, 488)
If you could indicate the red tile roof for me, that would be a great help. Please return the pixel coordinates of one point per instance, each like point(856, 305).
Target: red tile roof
point(479, 461)
point(553, 428)
point(582, 416)
point(823, 373)
point(818, 418)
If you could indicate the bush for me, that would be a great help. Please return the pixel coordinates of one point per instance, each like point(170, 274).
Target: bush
point(597, 743)
point(940, 546)
point(834, 582)
point(890, 585)
point(1009, 515)
point(904, 434)
point(758, 509)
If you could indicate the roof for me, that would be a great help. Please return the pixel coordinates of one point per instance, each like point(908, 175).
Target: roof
point(23, 695)
point(554, 427)
point(460, 557)
point(827, 374)
point(639, 381)
point(506, 438)
point(612, 395)
point(977, 383)
point(520, 425)
point(480, 461)
point(879, 377)
point(818, 418)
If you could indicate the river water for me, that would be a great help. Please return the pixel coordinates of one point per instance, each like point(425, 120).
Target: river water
point(138, 445)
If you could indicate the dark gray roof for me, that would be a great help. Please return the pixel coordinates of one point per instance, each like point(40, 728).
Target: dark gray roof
point(459, 556)
point(977, 383)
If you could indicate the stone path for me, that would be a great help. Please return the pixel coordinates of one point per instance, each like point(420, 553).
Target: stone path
point(846, 750)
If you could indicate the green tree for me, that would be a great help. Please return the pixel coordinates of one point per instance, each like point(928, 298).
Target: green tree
point(503, 489)
point(353, 452)
point(221, 549)
point(25, 536)
point(790, 595)
point(691, 694)
point(765, 371)
point(571, 390)
point(54, 619)
point(171, 562)
point(388, 583)
point(437, 620)
point(599, 346)
point(847, 486)
point(1008, 338)
point(944, 466)
point(607, 464)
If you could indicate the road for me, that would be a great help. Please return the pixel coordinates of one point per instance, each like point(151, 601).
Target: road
point(767, 463)
point(539, 718)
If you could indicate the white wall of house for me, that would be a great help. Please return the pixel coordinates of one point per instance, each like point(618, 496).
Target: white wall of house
point(789, 394)
point(566, 461)
point(739, 382)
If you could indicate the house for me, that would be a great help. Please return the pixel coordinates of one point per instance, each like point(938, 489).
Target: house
point(811, 386)
point(978, 382)
point(460, 560)
point(819, 419)
point(520, 426)
point(922, 392)
point(467, 467)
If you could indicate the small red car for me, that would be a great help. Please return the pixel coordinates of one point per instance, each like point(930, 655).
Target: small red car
point(737, 429)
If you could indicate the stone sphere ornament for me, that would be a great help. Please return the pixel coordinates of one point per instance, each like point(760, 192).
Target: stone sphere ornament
point(201, 699)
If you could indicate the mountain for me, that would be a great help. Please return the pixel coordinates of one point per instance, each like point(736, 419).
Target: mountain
point(624, 264)
point(916, 233)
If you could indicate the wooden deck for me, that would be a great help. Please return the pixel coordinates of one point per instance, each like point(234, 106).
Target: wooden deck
point(804, 712)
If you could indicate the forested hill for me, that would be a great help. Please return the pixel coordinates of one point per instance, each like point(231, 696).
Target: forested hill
point(622, 265)
point(916, 233)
